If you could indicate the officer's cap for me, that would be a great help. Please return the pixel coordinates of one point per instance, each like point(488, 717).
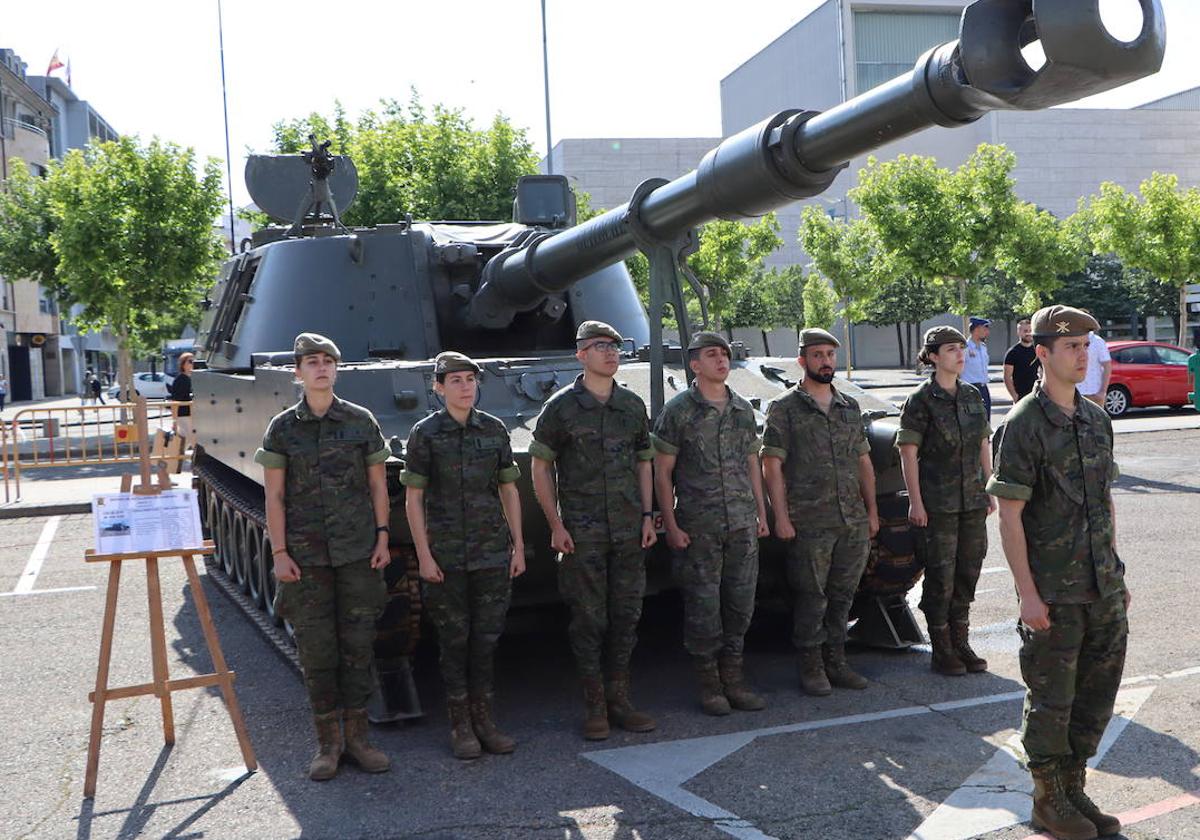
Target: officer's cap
point(937, 336)
point(707, 338)
point(596, 329)
point(1053, 321)
point(979, 322)
point(813, 336)
point(308, 343)
point(449, 361)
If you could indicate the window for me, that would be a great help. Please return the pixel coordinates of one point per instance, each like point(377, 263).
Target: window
point(1171, 356)
point(887, 44)
point(1141, 355)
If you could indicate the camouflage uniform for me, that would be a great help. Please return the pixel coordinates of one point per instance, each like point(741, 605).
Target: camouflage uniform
point(1063, 469)
point(820, 454)
point(595, 448)
point(330, 535)
point(715, 505)
point(460, 468)
point(948, 430)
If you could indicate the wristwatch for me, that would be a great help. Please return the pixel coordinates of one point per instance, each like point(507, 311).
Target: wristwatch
point(648, 513)
point(382, 529)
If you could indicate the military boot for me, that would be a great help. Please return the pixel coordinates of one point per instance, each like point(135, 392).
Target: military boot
point(811, 668)
point(733, 679)
point(620, 707)
point(489, 735)
point(463, 742)
point(838, 669)
point(324, 765)
point(1053, 810)
point(365, 755)
point(595, 725)
point(959, 632)
point(944, 660)
point(1074, 777)
point(712, 696)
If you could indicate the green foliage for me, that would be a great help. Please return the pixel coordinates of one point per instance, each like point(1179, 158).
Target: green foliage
point(26, 228)
point(730, 263)
point(433, 163)
point(820, 302)
point(849, 255)
point(1036, 251)
point(785, 292)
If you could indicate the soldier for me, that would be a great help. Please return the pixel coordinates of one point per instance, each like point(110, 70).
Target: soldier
point(1053, 476)
point(462, 506)
point(327, 514)
point(594, 435)
point(945, 454)
point(709, 485)
point(821, 484)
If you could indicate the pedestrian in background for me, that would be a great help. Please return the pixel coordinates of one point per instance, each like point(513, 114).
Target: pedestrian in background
point(975, 370)
point(464, 514)
point(3, 391)
point(709, 484)
point(821, 483)
point(1053, 476)
point(97, 389)
point(1099, 369)
point(181, 391)
point(1021, 365)
point(327, 517)
point(591, 462)
point(946, 457)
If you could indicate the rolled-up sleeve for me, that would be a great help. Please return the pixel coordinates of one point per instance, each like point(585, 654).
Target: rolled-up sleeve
point(914, 421)
point(1014, 470)
point(509, 471)
point(775, 434)
point(548, 435)
point(666, 433)
point(376, 447)
point(416, 461)
point(271, 455)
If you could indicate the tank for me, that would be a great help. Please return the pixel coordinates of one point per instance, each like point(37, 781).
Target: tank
point(511, 294)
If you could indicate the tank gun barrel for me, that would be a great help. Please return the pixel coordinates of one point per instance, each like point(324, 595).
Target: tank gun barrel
point(797, 154)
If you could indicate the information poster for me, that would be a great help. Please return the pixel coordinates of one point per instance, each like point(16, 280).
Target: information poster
point(125, 522)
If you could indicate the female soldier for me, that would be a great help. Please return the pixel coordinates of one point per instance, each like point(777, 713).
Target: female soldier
point(460, 495)
point(946, 458)
point(327, 514)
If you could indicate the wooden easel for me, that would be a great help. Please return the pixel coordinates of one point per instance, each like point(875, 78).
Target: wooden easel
point(162, 686)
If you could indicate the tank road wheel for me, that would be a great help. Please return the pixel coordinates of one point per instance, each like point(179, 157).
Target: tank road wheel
point(212, 518)
point(202, 503)
point(241, 555)
point(269, 584)
point(226, 538)
point(254, 563)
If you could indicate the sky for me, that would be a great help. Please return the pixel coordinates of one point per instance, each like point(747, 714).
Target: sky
point(620, 68)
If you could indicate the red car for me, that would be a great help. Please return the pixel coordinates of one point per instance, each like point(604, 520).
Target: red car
point(1146, 373)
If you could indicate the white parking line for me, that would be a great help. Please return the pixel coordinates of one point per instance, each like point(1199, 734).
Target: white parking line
point(47, 591)
point(38, 557)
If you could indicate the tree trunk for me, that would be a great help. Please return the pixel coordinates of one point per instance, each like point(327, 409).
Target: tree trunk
point(962, 302)
point(1183, 314)
point(124, 365)
point(766, 342)
point(900, 344)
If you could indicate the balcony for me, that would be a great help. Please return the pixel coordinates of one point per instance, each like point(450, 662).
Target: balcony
point(26, 141)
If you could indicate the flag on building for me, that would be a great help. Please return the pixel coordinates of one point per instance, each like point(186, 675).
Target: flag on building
point(54, 63)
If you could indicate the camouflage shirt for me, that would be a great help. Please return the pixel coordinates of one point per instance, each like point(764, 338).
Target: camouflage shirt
point(948, 430)
point(820, 455)
point(330, 520)
point(711, 446)
point(595, 448)
point(1062, 468)
point(460, 468)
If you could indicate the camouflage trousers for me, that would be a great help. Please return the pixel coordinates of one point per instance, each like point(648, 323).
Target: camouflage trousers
point(333, 610)
point(603, 584)
point(951, 547)
point(1072, 672)
point(718, 573)
point(824, 569)
point(468, 609)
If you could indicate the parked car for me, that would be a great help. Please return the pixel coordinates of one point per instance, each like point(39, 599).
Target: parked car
point(1146, 373)
point(152, 386)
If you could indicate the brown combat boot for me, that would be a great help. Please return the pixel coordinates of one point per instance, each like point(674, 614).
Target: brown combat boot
point(838, 669)
point(1074, 777)
point(944, 660)
point(620, 707)
point(733, 679)
point(1053, 810)
point(811, 668)
point(595, 725)
point(959, 633)
point(365, 755)
point(712, 696)
point(324, 765)
point(463, 742)
point(489, 735)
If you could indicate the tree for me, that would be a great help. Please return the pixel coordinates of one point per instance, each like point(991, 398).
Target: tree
point(820, 302)
point(131, 231)
point(730, 256)
point(906, 301)
point(26, 228)
point(1157, 232)
point(433, 163)
point(785, 289)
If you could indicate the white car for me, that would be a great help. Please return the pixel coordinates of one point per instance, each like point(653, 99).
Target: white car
point(152, 386)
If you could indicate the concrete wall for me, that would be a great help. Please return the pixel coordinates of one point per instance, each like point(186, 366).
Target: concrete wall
point(610, 168)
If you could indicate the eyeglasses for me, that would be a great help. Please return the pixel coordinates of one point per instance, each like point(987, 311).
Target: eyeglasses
point(605, 346)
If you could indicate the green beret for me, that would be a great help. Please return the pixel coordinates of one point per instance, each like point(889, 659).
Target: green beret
point(708, 338)
point(449, 361)
point(936, 336)
point(309, 343)
point(813, 336)
point(596, 329)
point(1052, 321)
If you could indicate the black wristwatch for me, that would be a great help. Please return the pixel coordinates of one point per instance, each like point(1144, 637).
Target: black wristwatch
point(648, 513)
point(382, 528)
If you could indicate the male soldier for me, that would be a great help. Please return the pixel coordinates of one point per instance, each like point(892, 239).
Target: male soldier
point(710, 492)
point(595, 435)
point(1053, 476)
point(327, 515)
point(821, 483)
